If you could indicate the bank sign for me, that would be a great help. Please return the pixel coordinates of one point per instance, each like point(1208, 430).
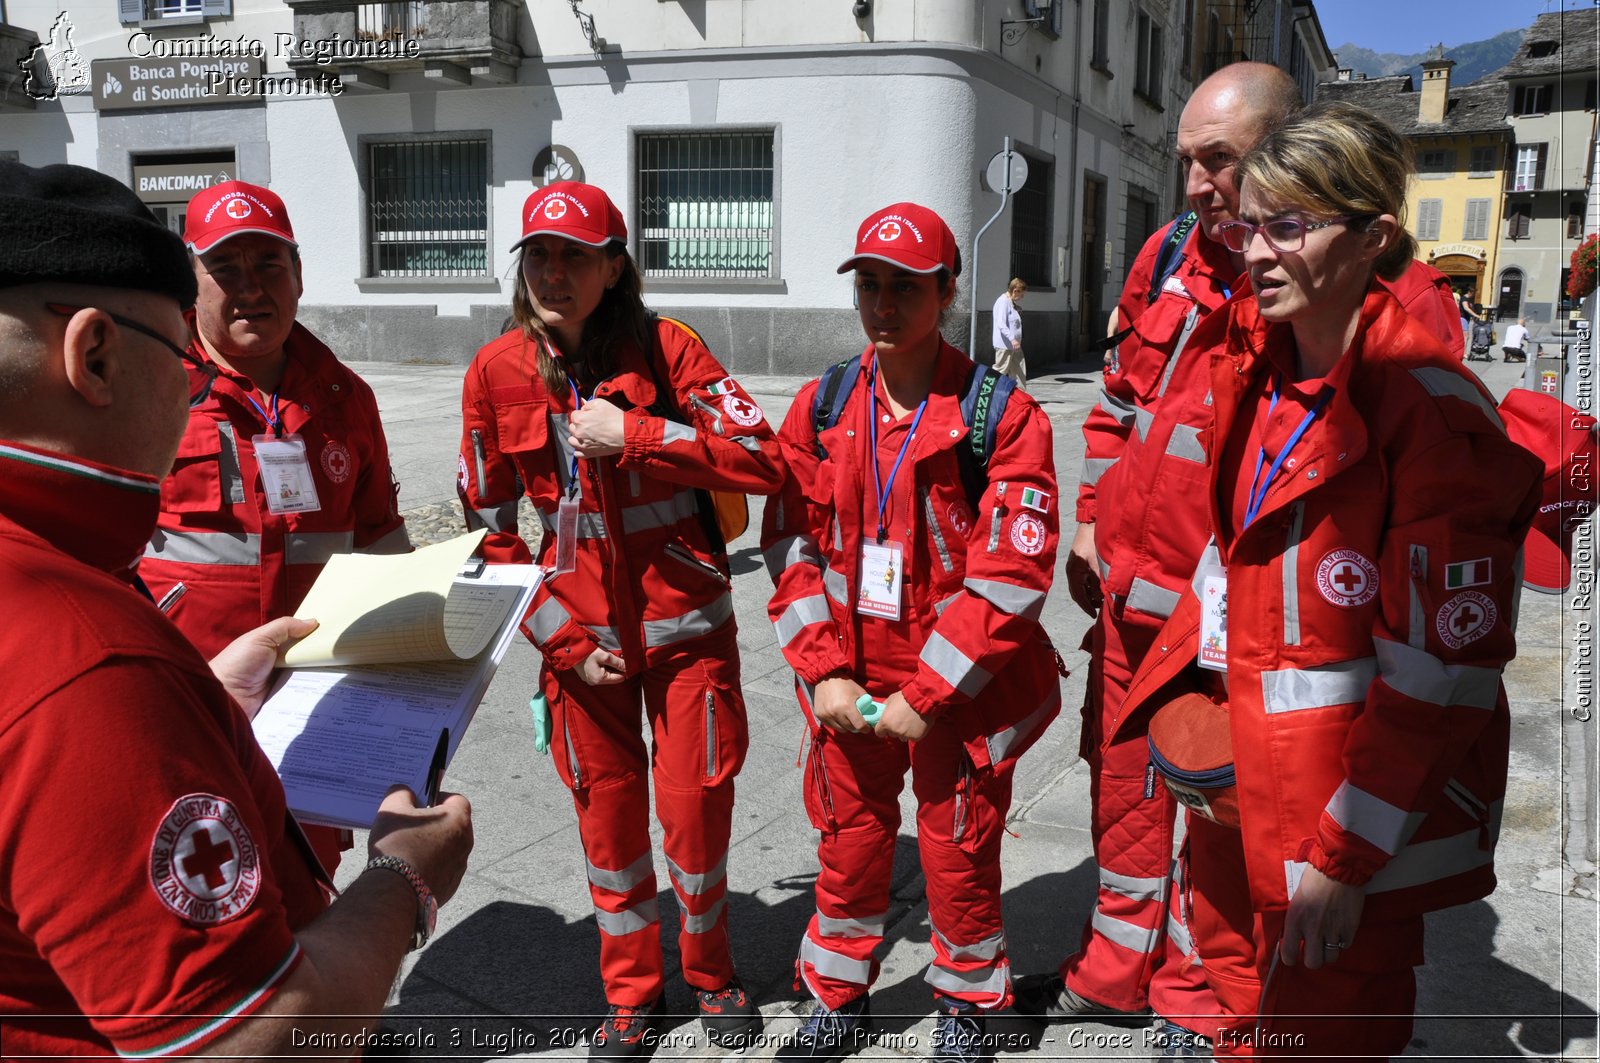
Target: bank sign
point(124, 84)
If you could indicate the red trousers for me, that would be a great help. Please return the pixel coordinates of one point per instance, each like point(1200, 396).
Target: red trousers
point(695, 708)
point(852, 794)
point(1358, 1007)
point(1132, 953)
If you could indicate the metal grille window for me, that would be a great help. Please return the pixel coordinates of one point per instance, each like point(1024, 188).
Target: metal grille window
point(1030, 225)
point(706, 204)
point(429, 204)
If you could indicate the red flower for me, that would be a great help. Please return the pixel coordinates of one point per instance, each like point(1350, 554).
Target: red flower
point(1582, 279)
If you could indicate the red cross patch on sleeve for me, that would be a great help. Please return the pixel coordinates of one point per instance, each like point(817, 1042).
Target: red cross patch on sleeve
point(204, 865)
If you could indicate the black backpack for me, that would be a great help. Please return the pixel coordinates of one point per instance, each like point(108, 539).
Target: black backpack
point(983, 404)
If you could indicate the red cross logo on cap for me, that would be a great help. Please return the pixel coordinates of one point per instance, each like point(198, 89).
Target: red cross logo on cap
point(238, 209)
point(555, 209)
point(889, 232)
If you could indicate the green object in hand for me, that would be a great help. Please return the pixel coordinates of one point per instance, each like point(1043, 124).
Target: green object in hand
point(541, 723)
point(871, 711)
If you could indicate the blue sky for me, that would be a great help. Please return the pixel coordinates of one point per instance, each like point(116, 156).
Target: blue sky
point(1411, 26)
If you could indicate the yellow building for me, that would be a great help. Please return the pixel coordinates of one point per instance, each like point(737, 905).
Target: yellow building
point(1461, 142)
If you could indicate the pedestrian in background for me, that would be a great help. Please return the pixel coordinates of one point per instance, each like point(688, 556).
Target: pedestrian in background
point(1515, 347)
point(1008, 357)
point(615, 423)
point(904, 573)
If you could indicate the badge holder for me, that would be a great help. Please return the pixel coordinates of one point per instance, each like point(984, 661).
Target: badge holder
point(882, 577)
point(286, 474)
point(1212, 582)
point(567, 535)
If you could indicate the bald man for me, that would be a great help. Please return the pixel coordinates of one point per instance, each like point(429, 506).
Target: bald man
point(1142, 525)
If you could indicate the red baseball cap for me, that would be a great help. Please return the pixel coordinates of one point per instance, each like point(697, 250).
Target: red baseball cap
point(576, 211)
point(906, 235)
point(233, 208)
point(1564, 440)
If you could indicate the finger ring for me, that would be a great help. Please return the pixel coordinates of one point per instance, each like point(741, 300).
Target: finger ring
point(1335, 946)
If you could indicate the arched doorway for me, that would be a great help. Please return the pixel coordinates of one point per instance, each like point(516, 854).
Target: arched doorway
point(1509, 305)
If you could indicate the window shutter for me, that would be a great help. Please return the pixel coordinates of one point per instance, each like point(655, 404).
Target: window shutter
point(130, 11)
point(1520, 222)
point(1157, 58)
point(1428, 219)
point(1477, 226)
point(1538, 172)
point(216, 8)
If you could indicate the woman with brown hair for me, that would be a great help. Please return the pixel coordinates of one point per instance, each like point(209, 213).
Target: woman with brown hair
point(618, 425)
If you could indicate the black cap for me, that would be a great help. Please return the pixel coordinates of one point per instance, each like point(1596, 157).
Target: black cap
point(76, 226)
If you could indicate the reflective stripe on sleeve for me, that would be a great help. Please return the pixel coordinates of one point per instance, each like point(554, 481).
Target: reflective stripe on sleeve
point(590, 525)
point(836, 585)
point(397, 542)
point(1151, 599)
point(204, 548)
point(546, 620)
point(1121, 411)
point(1293, 689)
point(661, 514)
point(501, 518)
point(953, 666)
point(1420, 675)
point(1372, 818)
point(793, 550)
point(673, 432)
point(1093, 469)
point(1143, 419)
point(801, 613)
point(1437, 381)
point(1008, 597)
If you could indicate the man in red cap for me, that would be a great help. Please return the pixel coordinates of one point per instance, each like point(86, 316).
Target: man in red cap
point(1564, 440)
point(158, 899)
point(285, 462)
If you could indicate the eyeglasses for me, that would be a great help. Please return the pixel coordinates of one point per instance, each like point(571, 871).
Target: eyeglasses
point(207, 370)
point(1286, 234)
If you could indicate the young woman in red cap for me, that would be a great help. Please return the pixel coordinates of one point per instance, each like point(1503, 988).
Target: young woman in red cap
point(617, 424)
point(912, 547)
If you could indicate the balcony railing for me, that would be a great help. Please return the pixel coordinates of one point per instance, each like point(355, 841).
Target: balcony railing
point(449, 41)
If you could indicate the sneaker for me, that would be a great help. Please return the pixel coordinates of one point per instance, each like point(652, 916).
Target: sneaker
point(730, 1019)
point(829, 1033)
point(1176, 1042)
point(959, 1034)
point(627, 1031)
point(1046, 998)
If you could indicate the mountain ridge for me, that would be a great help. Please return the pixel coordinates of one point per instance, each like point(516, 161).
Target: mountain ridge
point(1473, 59)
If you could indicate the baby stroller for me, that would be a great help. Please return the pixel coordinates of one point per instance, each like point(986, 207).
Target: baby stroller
point(1482, 340)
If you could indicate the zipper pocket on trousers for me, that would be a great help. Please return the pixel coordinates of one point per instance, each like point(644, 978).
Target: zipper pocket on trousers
point(682, 554)
point(478, 457)
point(711, 735)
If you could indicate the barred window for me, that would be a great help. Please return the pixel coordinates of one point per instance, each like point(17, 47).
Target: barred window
point(1030, 225)
point(428, 203)
point(706, 204)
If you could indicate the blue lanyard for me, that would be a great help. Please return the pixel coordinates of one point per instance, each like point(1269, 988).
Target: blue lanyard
point(1258, 487)
point(872, 429)
point(274, 421)
point(572, 473)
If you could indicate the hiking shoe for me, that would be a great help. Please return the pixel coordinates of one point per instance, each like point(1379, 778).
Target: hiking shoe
point(1176, 1042)
point(959, 1034)
point(829, 1033)
point(730, 1019)
point(1046, 998)
point(628, 1031)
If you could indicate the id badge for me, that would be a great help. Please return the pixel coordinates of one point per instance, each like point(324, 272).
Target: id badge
point(566, 536)
point(1213, 619)
point(882, 576)
point(286, 474)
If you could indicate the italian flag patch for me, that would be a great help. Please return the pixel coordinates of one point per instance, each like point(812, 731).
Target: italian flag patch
point(1035, 500)
point(724, 386)
point(1467, 574)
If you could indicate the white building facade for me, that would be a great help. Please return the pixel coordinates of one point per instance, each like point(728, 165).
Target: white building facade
point(742, 139)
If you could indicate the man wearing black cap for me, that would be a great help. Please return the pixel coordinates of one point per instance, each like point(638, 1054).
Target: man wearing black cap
point(155, 894)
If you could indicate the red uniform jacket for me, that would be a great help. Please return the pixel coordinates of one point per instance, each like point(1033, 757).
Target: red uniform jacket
point(974, 583)
point(1148, 495)
point(646, 577)
point(240, 565)
point(1370, 612)
point(151, 884)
